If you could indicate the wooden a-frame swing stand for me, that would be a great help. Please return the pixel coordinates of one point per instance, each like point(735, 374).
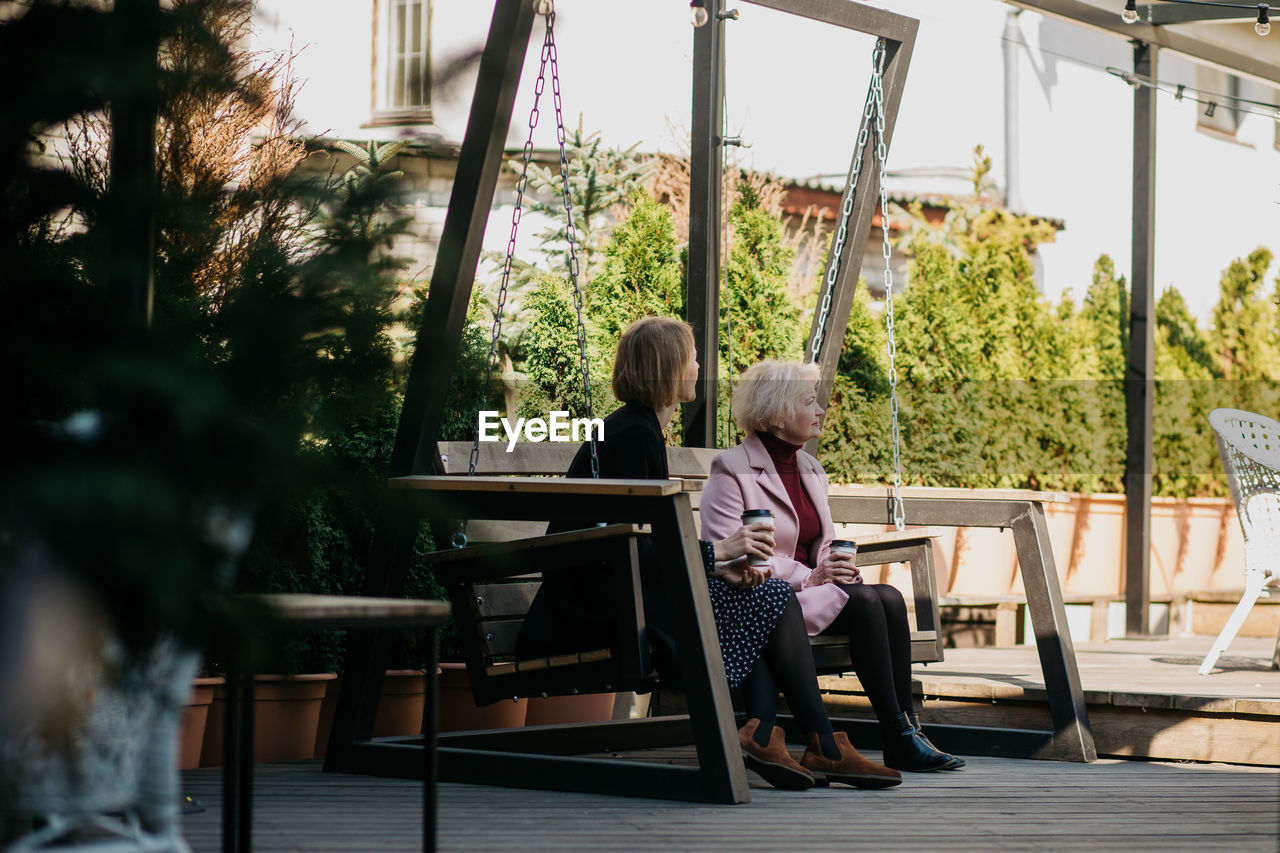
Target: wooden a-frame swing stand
point(558, 757)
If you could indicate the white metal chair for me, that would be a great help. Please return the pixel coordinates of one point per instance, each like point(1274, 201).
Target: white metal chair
point(1249, 445)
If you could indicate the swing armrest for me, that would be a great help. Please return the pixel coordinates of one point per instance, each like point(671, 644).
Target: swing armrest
point(496, 560)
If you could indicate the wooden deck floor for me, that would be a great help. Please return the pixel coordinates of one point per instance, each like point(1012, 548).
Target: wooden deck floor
point(1145, 698)
point(993, 804)
point(1142, 694)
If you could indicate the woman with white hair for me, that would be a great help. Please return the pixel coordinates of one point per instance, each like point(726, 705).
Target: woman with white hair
point(759, 622)
point(776, 405)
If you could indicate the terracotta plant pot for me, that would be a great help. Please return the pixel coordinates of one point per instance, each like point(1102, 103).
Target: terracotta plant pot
point(195, 716)
point(327, 709)
point(404, 696)
point(459, 712)
point(588, 708)
point(211, 747)
point(286, 717)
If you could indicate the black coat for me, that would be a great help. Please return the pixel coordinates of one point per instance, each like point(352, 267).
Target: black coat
point(572, 614)
point(633, 448)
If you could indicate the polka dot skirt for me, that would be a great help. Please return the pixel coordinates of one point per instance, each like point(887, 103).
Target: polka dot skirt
point(745, 619)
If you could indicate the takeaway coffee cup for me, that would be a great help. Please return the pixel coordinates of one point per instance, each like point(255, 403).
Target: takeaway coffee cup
point(844, 548)
point(753, 515)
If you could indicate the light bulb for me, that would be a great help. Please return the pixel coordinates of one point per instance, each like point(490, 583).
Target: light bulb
point(543, 7)
point(698, 16)
point(1130, 13)
point(1262, 27)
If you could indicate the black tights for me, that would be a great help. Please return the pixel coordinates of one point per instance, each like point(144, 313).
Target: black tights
point(875, 618)
point(786, 663)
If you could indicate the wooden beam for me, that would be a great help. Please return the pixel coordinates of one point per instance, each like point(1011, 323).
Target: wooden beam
point(131, 192)
point(436, 354)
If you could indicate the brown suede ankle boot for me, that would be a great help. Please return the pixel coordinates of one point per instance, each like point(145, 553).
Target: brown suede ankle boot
point(773, 762)
point(851, 769)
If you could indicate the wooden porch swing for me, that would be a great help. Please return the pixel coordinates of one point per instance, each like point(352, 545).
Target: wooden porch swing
point(490, 584)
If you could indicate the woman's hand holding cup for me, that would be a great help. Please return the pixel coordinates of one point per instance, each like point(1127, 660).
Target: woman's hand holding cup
point(837, 565)
point(759, 524)
point(753, 540)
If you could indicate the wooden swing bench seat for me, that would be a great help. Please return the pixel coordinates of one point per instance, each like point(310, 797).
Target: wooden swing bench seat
point(535, 469)
point(496, 631)
point(491, 585)
point(490, 589)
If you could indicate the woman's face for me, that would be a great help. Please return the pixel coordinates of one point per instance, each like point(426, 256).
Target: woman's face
point(689, 382)
point(805, 420)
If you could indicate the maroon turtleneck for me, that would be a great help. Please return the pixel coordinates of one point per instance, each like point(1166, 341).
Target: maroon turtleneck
point(783, 454)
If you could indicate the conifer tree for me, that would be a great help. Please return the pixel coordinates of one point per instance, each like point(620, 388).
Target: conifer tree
point(758, 319)
point(553, 372)
point(1182, 347)
point(1106, 318)
point(864, 357)
point(640, 273)
point(1184, 452)
point(1244, 320)
point(601, 181)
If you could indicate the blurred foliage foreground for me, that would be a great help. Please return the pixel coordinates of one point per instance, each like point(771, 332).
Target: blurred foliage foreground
point(265, 384)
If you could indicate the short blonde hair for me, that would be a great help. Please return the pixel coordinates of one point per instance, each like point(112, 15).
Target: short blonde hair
point(653, 354)
point(769, 391)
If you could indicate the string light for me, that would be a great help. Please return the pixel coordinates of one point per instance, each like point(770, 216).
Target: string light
point(1209, 100)
point(698, 13)
point(1263, 26)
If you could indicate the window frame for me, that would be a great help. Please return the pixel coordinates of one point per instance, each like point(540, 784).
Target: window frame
point(385, 112)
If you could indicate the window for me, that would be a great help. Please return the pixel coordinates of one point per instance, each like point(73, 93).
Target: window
point(403, 52)
point(1219, 116)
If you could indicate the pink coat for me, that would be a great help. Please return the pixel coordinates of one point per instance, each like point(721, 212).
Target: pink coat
point(744, 477)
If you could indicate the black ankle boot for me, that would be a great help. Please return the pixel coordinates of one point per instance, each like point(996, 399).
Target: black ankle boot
point(905, 749)
point(915, 724)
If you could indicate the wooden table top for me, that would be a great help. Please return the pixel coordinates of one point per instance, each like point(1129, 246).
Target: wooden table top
point(352, 611)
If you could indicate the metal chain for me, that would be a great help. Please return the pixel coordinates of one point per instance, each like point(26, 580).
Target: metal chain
point(877, 86)
point(571, 236)
point(491, 362)
point(846, 210)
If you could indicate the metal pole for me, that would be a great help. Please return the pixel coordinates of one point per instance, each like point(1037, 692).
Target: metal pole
point(1140, 374)
point(1012, 142)
point(702, 299)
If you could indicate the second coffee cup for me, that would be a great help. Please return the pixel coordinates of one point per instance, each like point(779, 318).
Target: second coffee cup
point(753, 515)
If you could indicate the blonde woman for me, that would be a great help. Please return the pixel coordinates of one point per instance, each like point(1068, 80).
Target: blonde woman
point(760, 626)
point(776, 405)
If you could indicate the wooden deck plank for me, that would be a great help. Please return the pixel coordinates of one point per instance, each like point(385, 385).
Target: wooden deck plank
point(993, 804)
